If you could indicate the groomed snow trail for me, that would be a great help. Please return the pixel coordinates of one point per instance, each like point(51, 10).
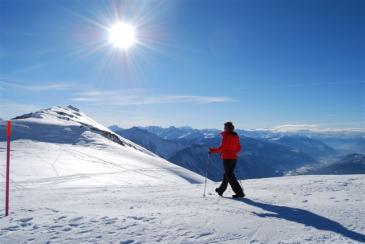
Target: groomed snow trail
point(301, 209)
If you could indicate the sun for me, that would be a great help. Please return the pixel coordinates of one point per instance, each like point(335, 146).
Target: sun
point(122, 35)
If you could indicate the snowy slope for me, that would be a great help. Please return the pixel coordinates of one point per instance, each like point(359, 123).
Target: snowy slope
point(300, 209)
point(64, 147)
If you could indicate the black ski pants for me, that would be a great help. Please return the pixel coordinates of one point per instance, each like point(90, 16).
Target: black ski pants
point(229, 177)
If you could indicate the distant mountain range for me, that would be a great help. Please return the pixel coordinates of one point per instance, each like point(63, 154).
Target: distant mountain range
point(313, 147)
point(154, 143)
point(343, 142)
point(260, 158)
point(350, 164)
point(265, 153)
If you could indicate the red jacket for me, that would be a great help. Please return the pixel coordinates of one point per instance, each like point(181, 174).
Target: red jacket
point(229, 147)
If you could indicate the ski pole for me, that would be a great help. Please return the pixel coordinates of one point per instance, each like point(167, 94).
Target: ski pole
point(206, 174)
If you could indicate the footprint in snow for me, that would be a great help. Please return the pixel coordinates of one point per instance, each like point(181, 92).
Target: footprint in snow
point(85, 231)
point(25, 221)
point(61, 217)
point(204, 234)
point(53, 210)
point(127, 242)
point(110, 221)
point(75, 221)
point(66, 229)
point(56, 226)
point(135, 218)
point(11, 228)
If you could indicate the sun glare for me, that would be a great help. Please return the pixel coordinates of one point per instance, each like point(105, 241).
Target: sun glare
point(122, 35)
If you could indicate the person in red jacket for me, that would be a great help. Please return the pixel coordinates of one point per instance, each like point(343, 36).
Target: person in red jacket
point(229, 148)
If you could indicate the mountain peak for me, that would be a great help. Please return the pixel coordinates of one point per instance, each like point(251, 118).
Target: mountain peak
point(66, 125)
point(73, 108)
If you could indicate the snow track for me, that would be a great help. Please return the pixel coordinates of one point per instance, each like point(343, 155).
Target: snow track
point(36, 164)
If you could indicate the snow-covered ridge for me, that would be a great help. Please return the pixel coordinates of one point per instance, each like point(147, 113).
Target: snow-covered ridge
point(71, 116)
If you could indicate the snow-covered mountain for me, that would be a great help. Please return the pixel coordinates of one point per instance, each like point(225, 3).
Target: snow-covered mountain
point(310, 144)
point(183, 135)
point(170, 133)
point(63, 146)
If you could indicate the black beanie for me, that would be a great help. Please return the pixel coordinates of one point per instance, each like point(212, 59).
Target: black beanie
point(229, 125)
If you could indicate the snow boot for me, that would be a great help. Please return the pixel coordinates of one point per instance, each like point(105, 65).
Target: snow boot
point(236, 196)
point(217, 191)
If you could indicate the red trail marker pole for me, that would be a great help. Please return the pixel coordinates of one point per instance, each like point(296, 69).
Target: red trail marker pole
point(8, 134)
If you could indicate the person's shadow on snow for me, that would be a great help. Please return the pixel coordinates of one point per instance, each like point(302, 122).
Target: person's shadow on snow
point(305, 217)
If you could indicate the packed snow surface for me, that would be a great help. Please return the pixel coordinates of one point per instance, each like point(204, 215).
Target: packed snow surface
point(299, 209)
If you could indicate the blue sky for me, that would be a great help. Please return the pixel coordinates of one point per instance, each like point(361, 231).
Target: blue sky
point(260, 64)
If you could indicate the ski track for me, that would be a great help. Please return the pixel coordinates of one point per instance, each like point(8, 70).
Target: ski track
point(179, 213)
point(124, 169)
point(72, 165)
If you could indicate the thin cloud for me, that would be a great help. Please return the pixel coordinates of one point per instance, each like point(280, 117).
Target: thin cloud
point(136, 97)
point(57, 86)
point(312, 128)
point(295, 127)
point(10, 109)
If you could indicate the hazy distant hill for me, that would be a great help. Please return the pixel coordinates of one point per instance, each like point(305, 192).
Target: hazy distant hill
point(343, 141)
point(162, 147)
point(305, 144)
point(351, 164)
